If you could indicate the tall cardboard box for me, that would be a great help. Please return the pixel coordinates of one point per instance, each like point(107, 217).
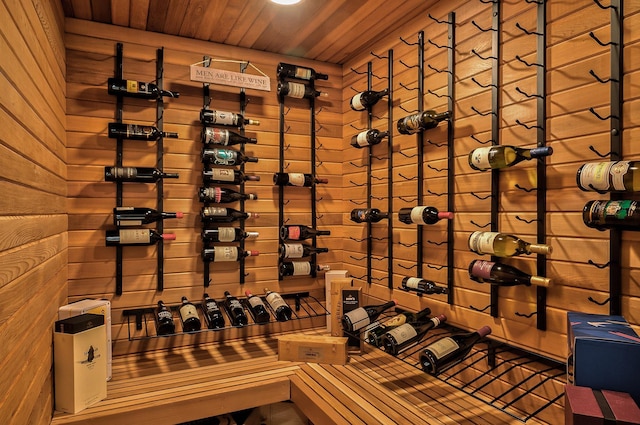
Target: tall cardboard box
point(79, 362)
point(329, 277)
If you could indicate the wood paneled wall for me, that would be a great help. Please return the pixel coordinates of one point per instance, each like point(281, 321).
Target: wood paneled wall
point(33, 205)
point(571, 128)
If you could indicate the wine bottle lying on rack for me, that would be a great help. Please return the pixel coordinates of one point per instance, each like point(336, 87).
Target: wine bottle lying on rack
point(450, 350)
point(495, 157)
point(164, 320)
point(220, 254)
point(421, 121)
point(423, 215)
point(139, 89)
point(224, 215)
point(219, 136)
point(374, 335)
point(299, 250)
point(296, 179)
point(189, 316)
point(279, 305)
point(296, 232)
point(226, 175)
point(300, 268)
point(136, 174)
point(503, 245)
point(422, 286)
point(614, 176)
point(212, 314)
point(137, 132)
point(286, 70)
point(211, 117)
point(368, 138)
point(298, 90)
point(225, 157)
point(136, 237)
point(137, 216)
point(226, 234)
point(371, 215)
point(222, 195)
point(257, 308)
point(399, 339)
point(366, 99)
point(503, 274)
point(605, 214)
point(235, 310)
point(361, 317)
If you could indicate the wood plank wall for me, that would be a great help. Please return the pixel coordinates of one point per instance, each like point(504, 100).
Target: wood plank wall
point(571, 128)
point(90, 56)
point(33, 206)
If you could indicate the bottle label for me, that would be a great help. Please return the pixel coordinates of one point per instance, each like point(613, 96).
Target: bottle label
point(135, 236)
point(187, 311)
point(301, 268)
point(356, 102)
point(482, 269)
point(224, 156)
point(294, 232)
point(361, 139)
point(303, 73)
point(226, 253)
point(224, 118)
point(222, 175)
point(293, 250)
point(164, 314)
point(416, 215)
point(235, 304)
point(296, 90)
point(403, 333)
point(618, 171)
point(482, 242)
point(480, 158)
point(217, 197)
point(596, 175)
point(216, 135)
point(215, 212)
point(255, 301)
point(124, 172)
point(132, 86)
point(413, 283)
point(412, 123)
point(443, 347)
point(601, 211)
point(212, 307)
point(358, 318)
point(296, 179)
point(398, 320)
point(276, 301)
point(226, 234)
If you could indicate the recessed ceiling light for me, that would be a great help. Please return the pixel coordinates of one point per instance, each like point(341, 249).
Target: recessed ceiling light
point(287, 2)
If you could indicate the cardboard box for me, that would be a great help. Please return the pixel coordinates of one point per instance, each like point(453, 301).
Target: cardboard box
point(313, 348)
point(604, 353)
point(585, 406)
point(79, 362)
point(345, 297)
point(96, 307)
point(329, 277)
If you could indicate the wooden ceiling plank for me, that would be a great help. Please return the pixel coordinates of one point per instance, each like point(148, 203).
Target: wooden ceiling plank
point(82, 9)
point(250, 12)
point(101, 11)
point(175, 16)
point(194, 18)
point(120, 12)
point(227, 21)
point(212, 18)
point(138, 14)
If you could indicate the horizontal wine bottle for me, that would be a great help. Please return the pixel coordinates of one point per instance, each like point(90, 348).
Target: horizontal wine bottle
point(297, 232)
point(450, 350)
point(224, 215)
point(136, 237)
point(226, 234)
point(374, 335)
point(503, 274)
point(404, 336)
point(222, 195)
point(371, 215)
point(422, 215)
point(367, 99)
point(139, 89)
point(137, 216)
point(235, 310)
point(504, 245)
point(296, 179)
point(225, 157)
point(298, 90)
point(620, 215)
point(212, 314)
point(228, 176)
point(362, 316)
point(368, 138)
point(164, 320)
point(286, 70)
point(299, 250)
point(136, 174)
point(220, 254)
point(421, 121)
point(615, 176)
point(219, 136)
point(495, 157)
point(422, 286)
point(137, 132)
point(279, 305)
point(300, 268)
point(208, 116)
point(189, 316)
point(257, 308)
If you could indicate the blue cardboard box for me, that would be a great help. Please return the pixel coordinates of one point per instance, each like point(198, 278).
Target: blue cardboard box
point(604, 353)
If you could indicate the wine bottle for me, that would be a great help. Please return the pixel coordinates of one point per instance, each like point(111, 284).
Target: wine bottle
point(226, 234)
point(450, 350)
point(136, 174)
point(212, 314)
point(286, 70)
point(219, 136)
point(225, 157)
point(137, 216)
point(503, 274)
point(367, 99)
point(222, 195)
point(372, 215)
point(503, 245)
point(421, 121)
point(297, 232)
point(621, 215)
point(300, 268)
point(616, 176)
point(136, 237)
point(227, 176)
point(164, 320)
point(137, 132)
point(189, 316)
point(374, 335)
point(298, 90)
point(362, 316)
point(422, 215)
point(299, 250)
point(235, 310)
point(279, 305)
point(208, 116)
point(397, 340)
point(140, 89)
point(368, 138)
point(258, 308)
point(220, 254)
point(296, 179)
point(224, 215)
point(422, 286)
point(493, 157)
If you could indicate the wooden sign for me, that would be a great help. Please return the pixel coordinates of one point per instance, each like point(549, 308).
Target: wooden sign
point(229, 78)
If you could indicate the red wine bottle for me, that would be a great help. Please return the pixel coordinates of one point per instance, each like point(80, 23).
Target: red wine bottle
point(136, 174)
point(278, 305)
point(450, 350)
point(404, 336)
point(226, 234)
point(220, 254)
point(207, 116)
point(501, 274)
point(257, 308)
point(164, 320)
point(137, 216)
point(137, 132)
point(286, 70)
point(217, 156)
point(422, 286)
point(140, 89)
point(219, 136)
point(363, 316)
point(371, 215)
point(300, 268)
point(136, 237)
point(374, 335)
point(296, 179)
point(235, 310)
point(222, 195)
point(422, 215)
point(299, 250)
point(224, 215)
point(297, 232)
point(227, 176)
point(368, 138)
point(298, 90)
point(605, 214)
point(367, 99)
point(189, 316)
point(421, 121)
point(212, 314)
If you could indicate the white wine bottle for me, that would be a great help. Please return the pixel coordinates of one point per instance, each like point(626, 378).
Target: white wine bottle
point(616, 176)
point(503, 245)
point(495, 157)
